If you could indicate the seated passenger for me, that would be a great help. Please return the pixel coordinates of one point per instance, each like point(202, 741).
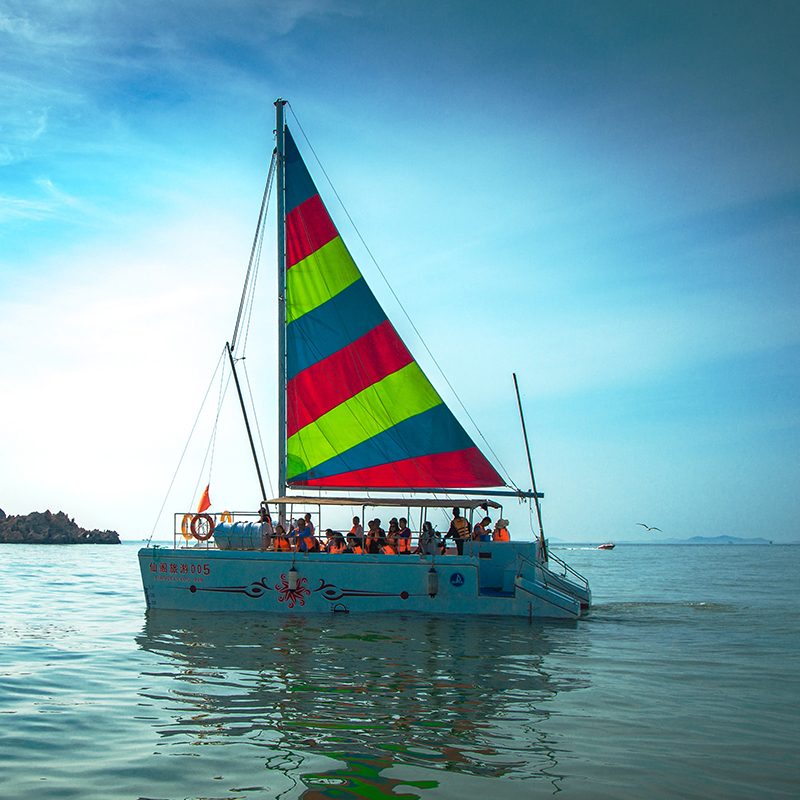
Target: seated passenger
point(429, 540)
point(386, 546)
point(336, 543)
point(353, 544)
point(306, 541)
point(404, 537)
point(480, 533)
point(374, 534)
point(281, 540)
point(501, 531)
point(266, 527)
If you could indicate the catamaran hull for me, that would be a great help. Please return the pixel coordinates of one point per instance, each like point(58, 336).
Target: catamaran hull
point(487, 582)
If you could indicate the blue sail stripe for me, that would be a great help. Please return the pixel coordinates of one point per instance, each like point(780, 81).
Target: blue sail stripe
point(331, 326)
point(299, 186)
point(433, 431)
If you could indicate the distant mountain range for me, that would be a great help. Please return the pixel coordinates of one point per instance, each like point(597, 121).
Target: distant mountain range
point(724, 539)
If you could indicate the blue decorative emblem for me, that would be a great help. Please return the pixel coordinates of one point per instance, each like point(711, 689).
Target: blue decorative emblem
point(457, 579)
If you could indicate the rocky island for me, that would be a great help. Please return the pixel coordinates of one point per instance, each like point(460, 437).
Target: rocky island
point(48, 528)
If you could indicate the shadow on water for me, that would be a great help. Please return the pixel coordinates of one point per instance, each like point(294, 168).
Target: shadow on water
point(348, 707)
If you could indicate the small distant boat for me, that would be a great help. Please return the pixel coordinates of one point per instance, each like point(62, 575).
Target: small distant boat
point(606, 546)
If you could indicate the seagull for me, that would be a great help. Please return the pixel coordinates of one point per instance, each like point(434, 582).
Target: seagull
point(649, 528)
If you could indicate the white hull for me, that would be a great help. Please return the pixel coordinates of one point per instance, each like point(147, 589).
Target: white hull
point(491, 578)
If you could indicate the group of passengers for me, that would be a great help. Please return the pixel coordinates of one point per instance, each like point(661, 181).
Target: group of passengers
point(394, 541)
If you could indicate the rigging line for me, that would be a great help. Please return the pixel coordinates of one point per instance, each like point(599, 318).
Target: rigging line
point(259, 226)
point(256, 262)
point(186, 446)
point(251, 299)
point(397, 300)
point(223, 389)
point(258, 427)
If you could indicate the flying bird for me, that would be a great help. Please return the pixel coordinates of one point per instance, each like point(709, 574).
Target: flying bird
point(649, 528)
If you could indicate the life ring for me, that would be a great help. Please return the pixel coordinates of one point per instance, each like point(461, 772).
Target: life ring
point(187, 518)
point(226, 516)
point(202, 537)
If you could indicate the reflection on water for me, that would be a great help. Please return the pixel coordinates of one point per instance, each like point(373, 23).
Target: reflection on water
point(338, 702)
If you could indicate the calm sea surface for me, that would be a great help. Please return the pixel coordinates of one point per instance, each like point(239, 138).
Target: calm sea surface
point(683, 681)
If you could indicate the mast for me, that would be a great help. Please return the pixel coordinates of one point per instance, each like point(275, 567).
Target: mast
point(279, 132)
point(536, 495)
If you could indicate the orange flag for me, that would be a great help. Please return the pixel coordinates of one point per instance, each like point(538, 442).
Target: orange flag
point(204, 502)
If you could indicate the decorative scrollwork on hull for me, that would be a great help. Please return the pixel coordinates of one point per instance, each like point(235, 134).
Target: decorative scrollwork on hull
point(332, 592)
point(292, 597)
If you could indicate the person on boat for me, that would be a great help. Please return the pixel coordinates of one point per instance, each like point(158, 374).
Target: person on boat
point(429, 541)
point(403, 537)
point(306, 541)
point(266, 527)
point(393, 532)
point(354, 544)
point(358, 530)
point(281, 540)
point(501, 531)
point(386, 546)
point(310, 524)
point(459, 530)
point(481, 531)
point(336, 543)
point(374, 536)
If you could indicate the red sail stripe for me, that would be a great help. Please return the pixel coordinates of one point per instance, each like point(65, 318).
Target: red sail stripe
point(324, 385)
point(308, 227)
point(464, 468)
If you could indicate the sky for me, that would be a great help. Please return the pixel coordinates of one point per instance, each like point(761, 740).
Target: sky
point(601, 197)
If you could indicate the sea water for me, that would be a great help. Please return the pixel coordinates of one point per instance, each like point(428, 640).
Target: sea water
point(682, 681)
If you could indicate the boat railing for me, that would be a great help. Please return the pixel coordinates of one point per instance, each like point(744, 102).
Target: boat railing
point(567, 569)
point(542, 572)
point(190, 529)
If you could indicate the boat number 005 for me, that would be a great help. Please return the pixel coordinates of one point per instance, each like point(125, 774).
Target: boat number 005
point(200, 569)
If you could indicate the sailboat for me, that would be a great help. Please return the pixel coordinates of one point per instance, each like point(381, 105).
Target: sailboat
point(356, 414)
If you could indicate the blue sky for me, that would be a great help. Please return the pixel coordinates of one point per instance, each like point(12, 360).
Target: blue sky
point(601, 197)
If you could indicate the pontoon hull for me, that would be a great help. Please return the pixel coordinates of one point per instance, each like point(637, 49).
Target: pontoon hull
point(497, 579)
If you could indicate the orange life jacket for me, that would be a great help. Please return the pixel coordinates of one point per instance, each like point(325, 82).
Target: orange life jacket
point(388, 550)
point(501, 535)
point(403, 544)
point(282, 543)
point(337, 545)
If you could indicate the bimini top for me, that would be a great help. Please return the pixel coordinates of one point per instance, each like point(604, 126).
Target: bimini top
point(385, 502)
point(360, 413)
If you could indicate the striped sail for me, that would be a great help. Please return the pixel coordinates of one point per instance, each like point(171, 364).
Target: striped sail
point(360, 413)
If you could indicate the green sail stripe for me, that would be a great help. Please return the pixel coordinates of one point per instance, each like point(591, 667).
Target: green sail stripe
point(318, 277)
point(377, 408)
